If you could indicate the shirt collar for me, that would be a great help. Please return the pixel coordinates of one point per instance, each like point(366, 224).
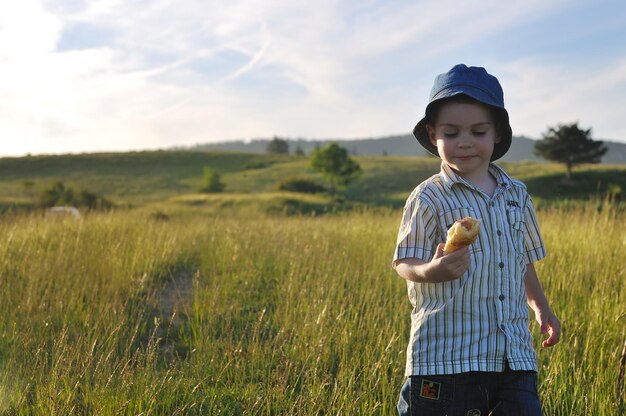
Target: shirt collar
point(450, 177)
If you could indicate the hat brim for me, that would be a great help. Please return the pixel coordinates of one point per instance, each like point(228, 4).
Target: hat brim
point(499, 150)
point(421, 134)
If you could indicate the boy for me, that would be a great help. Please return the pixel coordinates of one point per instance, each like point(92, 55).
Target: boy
point(470, 349)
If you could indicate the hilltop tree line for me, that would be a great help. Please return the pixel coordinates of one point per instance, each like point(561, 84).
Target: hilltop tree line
point(567, 144)
point(278, 146)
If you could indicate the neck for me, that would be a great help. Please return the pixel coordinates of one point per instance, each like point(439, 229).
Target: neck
point(484, 181)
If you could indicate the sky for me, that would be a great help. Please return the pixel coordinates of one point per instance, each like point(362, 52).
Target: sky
point(117, 75)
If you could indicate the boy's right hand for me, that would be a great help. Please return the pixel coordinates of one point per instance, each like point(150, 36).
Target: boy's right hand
point(445, 267)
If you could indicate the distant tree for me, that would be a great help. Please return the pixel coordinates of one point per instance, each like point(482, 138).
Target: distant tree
point(278, 146)
point(298, 151)
point(88, 199)
point(212, 181)
point(333, 162)
point(570, 145)
point(56, 194)
point(91, 200)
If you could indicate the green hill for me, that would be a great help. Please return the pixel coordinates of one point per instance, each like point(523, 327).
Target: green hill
point(135, 177)
point(399, 145)
point(162, 179)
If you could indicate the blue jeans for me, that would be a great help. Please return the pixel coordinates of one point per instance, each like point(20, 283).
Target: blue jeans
point(475, 393)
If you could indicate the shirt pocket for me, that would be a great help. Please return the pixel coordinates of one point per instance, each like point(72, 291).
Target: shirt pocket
point(447, 219)
point(515, 219)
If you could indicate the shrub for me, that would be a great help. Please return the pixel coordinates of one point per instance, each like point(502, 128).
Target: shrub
point(300, 184)
point(212, 181)
point(333, 162)
point(57, 194)
point(257, 164)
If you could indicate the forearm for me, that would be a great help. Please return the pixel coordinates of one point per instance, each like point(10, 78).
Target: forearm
point(413, 270)
point(440, 269)
point(534, 292)
point(548, 322)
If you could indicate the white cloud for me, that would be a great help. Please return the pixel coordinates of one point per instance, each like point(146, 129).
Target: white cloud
point(176, 72)
point(26, 30)
point(546, 93)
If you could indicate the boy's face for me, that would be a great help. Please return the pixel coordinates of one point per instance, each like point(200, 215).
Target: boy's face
point(465, 135)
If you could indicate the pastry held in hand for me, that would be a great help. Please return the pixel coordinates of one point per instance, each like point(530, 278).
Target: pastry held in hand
point(462, 233)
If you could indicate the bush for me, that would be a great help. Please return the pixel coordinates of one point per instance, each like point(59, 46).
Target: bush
point(212, 181)
point(257, 164)
point(92, 200)
point(300, 184)
point(333, 162)
point(57, 194)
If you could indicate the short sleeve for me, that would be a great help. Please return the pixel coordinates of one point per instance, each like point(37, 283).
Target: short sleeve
point(535, 249)
point(416, 236)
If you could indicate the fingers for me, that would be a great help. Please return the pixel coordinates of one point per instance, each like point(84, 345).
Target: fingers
point(552, 340)
point(444, 267)
point(554, 329)
point(439, 252)
point(457, 262)
point(460, 256)
point(463, 251)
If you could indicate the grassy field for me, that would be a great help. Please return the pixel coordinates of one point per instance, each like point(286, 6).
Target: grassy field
point(221, 304)
point(141, 178)
point(313, 323)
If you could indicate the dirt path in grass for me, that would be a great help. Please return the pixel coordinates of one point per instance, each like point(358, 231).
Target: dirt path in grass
point(173, 303)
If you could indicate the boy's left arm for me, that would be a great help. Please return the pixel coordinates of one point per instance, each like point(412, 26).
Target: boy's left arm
point(547, 320)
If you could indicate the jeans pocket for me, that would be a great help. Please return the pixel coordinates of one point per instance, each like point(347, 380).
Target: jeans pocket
point(431, 395)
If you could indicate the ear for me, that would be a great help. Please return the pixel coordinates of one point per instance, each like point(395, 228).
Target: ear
point(431, 135)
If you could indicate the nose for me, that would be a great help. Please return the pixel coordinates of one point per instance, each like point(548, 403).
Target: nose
point(464, 140)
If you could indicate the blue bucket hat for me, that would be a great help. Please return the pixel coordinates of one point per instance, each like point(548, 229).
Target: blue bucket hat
point(476, 83)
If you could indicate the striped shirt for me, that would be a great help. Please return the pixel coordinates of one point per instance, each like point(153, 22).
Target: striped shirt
point(478, 321)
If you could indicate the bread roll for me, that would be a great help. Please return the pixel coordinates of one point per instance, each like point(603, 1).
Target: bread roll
point(462, 233)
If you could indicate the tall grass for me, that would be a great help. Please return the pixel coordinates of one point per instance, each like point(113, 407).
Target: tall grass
point(584, 277)
point(288, 315)
point(76, 330)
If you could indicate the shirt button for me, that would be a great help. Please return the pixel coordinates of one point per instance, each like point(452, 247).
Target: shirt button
point(499, 233)
point(501, 265)
point(501, 297)
point(503, 327)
